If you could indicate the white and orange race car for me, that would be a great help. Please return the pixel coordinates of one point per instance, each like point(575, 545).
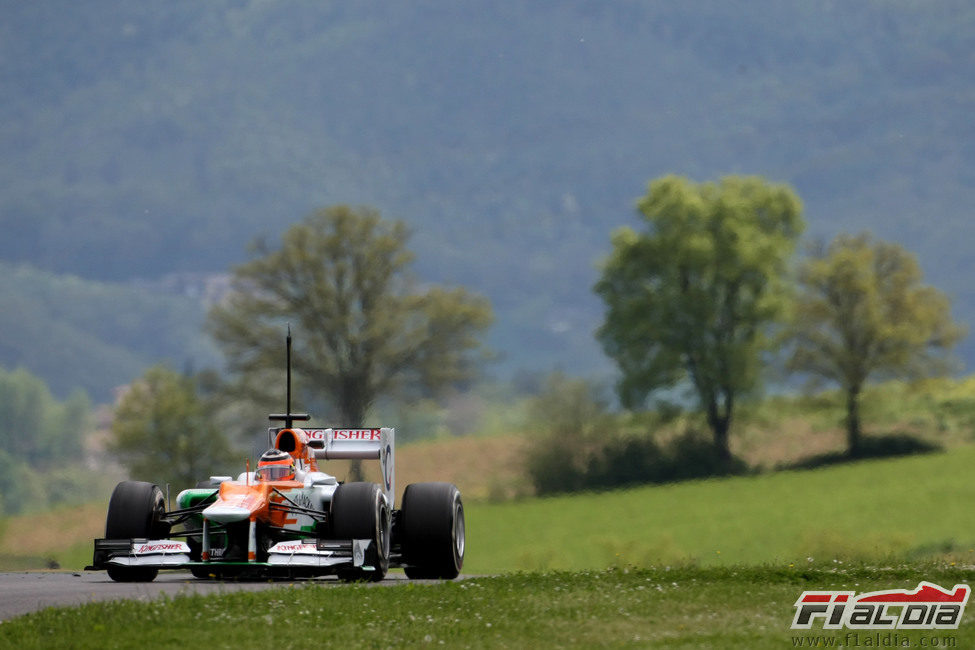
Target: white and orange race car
point(288, 518)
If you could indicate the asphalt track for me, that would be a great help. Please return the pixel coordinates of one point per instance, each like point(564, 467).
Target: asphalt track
point(22, 593)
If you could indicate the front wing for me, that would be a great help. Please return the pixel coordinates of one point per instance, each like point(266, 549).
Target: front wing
point(316, 557)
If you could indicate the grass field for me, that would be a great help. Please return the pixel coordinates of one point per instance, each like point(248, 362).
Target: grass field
point(61, 537)
point(717, 607)
point(911, 507)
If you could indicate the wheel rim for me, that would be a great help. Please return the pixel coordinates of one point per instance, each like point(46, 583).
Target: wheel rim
point(157, 527)
point(383, 531)
point(458, 532)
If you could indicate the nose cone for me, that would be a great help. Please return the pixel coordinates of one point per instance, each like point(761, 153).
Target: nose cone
point(238, 502)
point(226, 514)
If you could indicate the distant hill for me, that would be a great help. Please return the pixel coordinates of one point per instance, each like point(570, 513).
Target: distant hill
point(139, 140)
point(77, 333)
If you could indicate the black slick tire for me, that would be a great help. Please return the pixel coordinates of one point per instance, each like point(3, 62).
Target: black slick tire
point(432, 520)
point(359, 511)
point(135, 511)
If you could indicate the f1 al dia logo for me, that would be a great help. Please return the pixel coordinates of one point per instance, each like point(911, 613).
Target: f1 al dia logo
point(929, 607)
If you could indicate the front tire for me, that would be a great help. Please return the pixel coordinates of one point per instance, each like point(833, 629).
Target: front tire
point(359, 511)
point(434, 537)
point(135, 510)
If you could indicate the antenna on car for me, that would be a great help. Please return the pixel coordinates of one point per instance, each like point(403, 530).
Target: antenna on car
point(288, 417)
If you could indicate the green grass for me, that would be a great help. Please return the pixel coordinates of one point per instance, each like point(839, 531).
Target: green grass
point(718, 607)
point(908, 507)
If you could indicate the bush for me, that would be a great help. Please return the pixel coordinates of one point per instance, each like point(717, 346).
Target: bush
point(693, 455)
point(620, 460)
point(641, 459)
point(574, 423)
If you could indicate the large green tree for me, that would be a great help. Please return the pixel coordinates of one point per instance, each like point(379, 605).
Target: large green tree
point(863, 312)
point(692, 297)
point(164, 432)
point(366, 327)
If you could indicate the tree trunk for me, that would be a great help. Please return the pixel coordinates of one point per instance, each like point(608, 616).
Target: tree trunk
point(353, 415)
point(355, 471)
point(721, 439)
point(720, 425)
point(853, 421)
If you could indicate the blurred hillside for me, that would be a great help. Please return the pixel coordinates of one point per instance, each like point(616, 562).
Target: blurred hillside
point(142, 140)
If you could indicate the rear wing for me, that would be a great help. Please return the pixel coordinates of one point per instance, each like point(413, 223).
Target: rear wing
point(363, 444)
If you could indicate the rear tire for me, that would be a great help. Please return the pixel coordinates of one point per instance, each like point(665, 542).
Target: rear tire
point(359, 511)
point(135, 511)
point(434, 537)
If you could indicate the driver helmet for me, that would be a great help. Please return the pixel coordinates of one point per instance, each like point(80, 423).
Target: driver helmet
point(276, 465)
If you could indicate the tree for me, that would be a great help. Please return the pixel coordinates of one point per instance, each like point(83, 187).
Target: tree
point(41, 439)
point(366, 329)
point(34, 426)
point(163, 431)
point(862, 312)
point(692, 297)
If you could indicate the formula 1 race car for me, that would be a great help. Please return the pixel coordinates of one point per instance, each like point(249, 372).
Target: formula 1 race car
point(288, 518)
